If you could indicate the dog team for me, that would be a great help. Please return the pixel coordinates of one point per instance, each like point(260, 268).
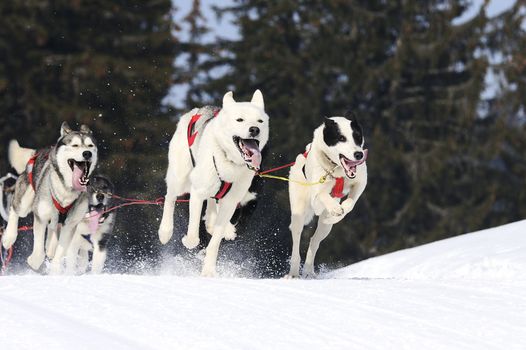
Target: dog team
point(214, 155)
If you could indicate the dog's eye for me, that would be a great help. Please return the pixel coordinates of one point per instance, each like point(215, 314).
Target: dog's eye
point(342, 138)
point(239, 120)
point(90, 146)
point(260, 120)
point(74, 145)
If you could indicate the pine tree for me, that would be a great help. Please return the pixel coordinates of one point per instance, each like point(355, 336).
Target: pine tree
point(506, 113)
point(196, 49)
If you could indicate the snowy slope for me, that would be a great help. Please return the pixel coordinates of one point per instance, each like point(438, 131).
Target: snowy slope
point(493, 254)
point(467, 292)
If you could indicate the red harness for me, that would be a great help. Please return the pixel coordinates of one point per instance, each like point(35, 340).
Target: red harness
point(337, 189)
point(191, 135)
point(29, 169)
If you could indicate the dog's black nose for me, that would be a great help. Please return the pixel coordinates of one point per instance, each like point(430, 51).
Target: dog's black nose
point(100, 197)
point(86, 154)
point(254, 131)
point(358, 155)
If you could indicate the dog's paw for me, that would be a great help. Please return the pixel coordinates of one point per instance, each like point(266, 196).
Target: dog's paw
point(291, 276)
point(208, 271)
point(190, 242)
point(336, 210)
point(230, 232)
point(308, 272)
point(55, 268)
point(165, 233)
point(35, 260)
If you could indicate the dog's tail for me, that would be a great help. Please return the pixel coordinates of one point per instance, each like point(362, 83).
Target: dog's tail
point(19, 156)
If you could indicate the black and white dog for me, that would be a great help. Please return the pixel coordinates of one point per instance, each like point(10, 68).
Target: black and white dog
point(93, 232)
point(50, 182)
point(337, 156)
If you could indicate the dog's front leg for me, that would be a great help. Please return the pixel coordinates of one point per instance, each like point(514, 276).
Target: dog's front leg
point(348, 204)
point(66, 233)
point(191, 239)
point(83, 261)
point(52, 238)
point(73, 253)
point(210, 215)
point(21, 207)
point(99, 258)
point(11, 232)
point(226, 210)
point(330, 206)
point(39, 233)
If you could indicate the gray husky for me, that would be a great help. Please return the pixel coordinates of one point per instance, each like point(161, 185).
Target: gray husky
point(50, 181)
point(93, 232)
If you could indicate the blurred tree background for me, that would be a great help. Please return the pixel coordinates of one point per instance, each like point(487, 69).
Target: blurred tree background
point(446, 156)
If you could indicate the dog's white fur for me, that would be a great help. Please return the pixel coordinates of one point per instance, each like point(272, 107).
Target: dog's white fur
point(307, 201)
point(202, 181)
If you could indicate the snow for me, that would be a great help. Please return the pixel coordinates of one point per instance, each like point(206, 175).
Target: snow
point(465, 292)
point(494, 254)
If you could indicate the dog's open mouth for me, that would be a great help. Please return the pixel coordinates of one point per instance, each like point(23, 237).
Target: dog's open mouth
point(349, 166)
point(96, 217)
point(249, 149)
point(80, 174)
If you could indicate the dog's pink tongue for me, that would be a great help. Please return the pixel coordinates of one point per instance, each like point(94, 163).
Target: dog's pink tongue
point(93, 221)
point(255, 159)
point(77, 175)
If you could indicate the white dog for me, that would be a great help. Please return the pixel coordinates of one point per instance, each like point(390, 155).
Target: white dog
point(337, 155)
point(213, 155)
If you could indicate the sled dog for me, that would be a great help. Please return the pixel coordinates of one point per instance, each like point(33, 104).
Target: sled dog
point(50, 181)
point(336, 154)
point(214, 155)
point(93, 232)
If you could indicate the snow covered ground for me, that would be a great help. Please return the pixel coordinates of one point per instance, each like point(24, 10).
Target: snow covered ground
point(467, 292)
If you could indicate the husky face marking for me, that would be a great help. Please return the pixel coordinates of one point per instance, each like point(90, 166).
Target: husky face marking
point(100, 190)
point(76, 156)
point(344, 139)
point(246, 124)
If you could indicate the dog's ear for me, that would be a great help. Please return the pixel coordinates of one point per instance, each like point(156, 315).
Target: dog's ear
point(85, 129)
point(65, 129)
point(357, 132)
point(228, 99)
point(257, 99)
point(331, 132)
point(350, 115)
